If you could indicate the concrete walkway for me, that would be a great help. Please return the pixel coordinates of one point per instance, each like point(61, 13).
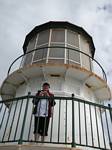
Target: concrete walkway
point(34, 147)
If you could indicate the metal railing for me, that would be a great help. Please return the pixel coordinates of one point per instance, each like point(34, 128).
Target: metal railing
point(94, 65)
point(74, 122)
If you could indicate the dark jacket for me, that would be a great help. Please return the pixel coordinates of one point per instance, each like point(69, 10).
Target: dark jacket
point(50, 105)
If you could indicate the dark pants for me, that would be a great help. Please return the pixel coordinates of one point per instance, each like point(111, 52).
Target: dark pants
point(41, 125)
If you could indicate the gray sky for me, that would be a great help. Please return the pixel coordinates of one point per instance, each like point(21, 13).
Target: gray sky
point(18, 17)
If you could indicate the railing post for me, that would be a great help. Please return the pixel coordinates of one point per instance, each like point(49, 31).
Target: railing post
point(24, 120)
point(110, 112)
point(73, 125)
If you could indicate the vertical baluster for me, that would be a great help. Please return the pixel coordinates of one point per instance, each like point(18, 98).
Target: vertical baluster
point(12, 119)
point(24, 120)
point(3, 117)
point(31, 118)
point(102, 128)
point(59, 119)
point(52, 117)
point(1, 111)
point(18, 120)
point(7, 120)
point(73, 123)
point(2, 120)
point(79, 124)
point(91, 125)
point(107, 126)
point(1, 107)
point(96, 120)
point(85, 124)
point(45, 121)
point(37, 118)
point(110, 112)
point(66, 123)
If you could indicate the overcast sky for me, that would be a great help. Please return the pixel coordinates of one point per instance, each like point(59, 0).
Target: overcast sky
point(18, 17)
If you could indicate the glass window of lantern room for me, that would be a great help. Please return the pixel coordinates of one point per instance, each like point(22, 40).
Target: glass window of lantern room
point(43, 38)
point(72, 38)
point(57, 39)
point(31, 44)
point(27, 59)
point(58, 36)
point(73, 54)
point(40, 53)
point(57, 52)
point(42, 41)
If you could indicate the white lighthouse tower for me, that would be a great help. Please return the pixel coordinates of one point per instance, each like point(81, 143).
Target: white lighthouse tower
point(61, 54)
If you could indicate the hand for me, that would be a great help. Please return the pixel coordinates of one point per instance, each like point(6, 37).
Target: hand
point(41, 93)
point(45, 93)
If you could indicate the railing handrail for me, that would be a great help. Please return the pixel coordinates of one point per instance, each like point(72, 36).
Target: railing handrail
point(56, 97)
point(104, 74)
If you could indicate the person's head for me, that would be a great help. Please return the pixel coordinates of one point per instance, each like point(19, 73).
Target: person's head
point(46, 86)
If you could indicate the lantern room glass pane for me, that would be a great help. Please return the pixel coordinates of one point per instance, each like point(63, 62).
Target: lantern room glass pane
point(73, 55)
point(43, 37)
point(40, 53)
point(27, 59)
point(57, 52)
point(31, 44)
point(58, 35)
point(72, 38)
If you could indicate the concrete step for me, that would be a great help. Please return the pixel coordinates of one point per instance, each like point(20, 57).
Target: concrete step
point(34, 147)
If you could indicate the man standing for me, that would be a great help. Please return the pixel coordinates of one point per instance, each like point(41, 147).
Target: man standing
point(43, 111)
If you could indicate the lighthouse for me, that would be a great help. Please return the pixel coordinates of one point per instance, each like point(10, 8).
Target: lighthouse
point(61, 54)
